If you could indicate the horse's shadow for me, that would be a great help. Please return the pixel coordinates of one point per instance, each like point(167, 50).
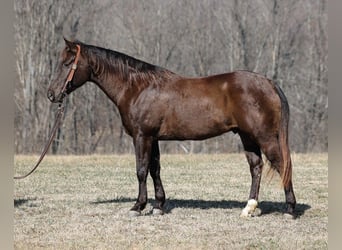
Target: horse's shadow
point(267, 207)
point(20, 202)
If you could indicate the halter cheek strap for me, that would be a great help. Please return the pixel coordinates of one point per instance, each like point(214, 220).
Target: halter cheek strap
point(73, 69)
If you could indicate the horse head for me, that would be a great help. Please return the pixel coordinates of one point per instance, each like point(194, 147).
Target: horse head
point(72, 72)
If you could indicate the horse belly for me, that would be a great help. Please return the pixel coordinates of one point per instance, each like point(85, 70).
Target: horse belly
point(194, 124)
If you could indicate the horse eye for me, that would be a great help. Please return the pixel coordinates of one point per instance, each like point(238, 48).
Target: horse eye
point(67, 62)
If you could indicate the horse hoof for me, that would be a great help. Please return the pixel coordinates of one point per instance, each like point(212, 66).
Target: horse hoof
point(289, 216)
point(256, 212)
point(245, 214)
point(249, 209)
point(157, 211)
point(133, 213)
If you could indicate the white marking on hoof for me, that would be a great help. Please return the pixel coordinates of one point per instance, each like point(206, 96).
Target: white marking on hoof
point(249, 209)
point(257, 212)
point(133, 213)
point(157, 211)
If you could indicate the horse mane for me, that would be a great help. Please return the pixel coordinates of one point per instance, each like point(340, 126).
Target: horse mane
point(126, 68)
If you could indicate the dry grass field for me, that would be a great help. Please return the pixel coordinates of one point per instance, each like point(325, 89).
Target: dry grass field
point(82, 202)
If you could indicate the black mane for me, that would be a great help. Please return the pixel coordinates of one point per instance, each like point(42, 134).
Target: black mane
point(106, 61)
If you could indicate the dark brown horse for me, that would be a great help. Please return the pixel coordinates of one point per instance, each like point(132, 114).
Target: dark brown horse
point(157, 104)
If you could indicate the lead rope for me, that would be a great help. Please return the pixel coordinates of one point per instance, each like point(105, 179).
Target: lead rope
point(52, 135)
point(59, 114)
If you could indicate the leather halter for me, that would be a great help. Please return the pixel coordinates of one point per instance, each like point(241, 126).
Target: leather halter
point(72, 70)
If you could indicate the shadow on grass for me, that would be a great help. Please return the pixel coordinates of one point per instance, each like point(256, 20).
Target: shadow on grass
point(28, 202)
point(267, 207)
point(20, 202)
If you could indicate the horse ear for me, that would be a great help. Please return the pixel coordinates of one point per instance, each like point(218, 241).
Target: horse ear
point(70, 45)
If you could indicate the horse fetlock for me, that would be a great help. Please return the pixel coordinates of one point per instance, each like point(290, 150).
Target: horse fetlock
point(249, 210)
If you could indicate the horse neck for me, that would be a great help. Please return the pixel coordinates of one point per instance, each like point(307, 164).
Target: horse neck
point(111, 85)
point(108, 78)
point(122, 83)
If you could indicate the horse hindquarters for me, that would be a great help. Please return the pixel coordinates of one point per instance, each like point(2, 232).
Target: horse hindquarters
point(264, 126)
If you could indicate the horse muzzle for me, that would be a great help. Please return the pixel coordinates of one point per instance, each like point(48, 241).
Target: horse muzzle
point(53, 98)
point(51, 95)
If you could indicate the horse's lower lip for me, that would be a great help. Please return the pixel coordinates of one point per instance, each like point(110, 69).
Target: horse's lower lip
point(51, 96)
point(51, 99)
point(54, 101)
point(57, 99)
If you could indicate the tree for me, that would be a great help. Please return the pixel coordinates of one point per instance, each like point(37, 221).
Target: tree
point(284, 40)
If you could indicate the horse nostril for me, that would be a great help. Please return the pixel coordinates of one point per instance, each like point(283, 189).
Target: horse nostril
point(51, 95)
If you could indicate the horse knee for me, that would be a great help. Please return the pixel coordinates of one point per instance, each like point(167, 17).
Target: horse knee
point(142, 174)
point(154, 174)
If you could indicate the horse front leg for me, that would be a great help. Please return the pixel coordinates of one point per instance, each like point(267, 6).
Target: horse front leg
point(155, 174)
point(143, 150)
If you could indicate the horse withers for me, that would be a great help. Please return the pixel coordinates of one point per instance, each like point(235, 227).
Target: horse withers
point(157, 104)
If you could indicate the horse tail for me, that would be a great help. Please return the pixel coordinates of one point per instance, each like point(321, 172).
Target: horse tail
point(286, 173)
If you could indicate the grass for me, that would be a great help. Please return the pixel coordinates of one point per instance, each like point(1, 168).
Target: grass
point(82, 202)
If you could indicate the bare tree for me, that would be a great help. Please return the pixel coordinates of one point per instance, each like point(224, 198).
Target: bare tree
point(284, 40)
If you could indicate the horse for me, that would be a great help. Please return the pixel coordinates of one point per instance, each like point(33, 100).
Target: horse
point(157, 104)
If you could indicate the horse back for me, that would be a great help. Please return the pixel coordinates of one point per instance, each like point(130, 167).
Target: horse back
point(200, 108)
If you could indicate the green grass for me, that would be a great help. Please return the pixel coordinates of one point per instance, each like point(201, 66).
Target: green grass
point(82, 202)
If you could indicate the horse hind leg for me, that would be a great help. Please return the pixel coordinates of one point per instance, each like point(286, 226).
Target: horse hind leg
point(273, 153)
point(254, 158)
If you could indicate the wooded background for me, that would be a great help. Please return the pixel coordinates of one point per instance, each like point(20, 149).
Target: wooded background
point(284, 40)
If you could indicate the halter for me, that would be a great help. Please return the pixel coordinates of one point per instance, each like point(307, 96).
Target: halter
point(58, 116)
point(72, 70)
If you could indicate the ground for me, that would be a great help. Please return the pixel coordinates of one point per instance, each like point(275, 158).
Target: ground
point(82, 202)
